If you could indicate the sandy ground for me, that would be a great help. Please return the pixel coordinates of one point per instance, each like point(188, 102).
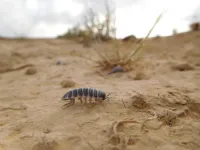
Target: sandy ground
point(162, 95)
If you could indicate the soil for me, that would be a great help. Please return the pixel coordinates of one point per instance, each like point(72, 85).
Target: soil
point(154, 106)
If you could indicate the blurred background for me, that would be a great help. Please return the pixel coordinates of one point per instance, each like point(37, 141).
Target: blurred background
point(51, 18)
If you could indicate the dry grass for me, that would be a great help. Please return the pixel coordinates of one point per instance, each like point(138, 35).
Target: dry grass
point(127, 61)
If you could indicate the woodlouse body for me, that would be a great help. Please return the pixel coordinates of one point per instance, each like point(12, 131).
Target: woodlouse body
point(116, 69)
point(84, 94)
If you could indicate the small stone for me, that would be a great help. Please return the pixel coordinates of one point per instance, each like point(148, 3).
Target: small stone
point(140, 76)
point(139, 101)
point(183, 67)
point(46, 130)
point(67, 83)
point(59, 62)
point(31, 71)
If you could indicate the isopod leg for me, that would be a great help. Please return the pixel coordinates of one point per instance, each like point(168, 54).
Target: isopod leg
point(72, 101)
point(80, 100)
point(85, 99)
point(96, 100)
point(90, 100)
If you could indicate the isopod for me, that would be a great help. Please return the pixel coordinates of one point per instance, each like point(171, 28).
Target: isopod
point(84, 94)
point(116, 69)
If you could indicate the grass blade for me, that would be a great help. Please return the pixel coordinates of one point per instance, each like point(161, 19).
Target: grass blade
point(129, 57)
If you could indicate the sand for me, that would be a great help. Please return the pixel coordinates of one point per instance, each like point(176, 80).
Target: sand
point(162, 95)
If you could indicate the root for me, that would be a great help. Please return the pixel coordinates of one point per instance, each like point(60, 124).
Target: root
point(155, 116)
point(120, 123)
point(119, 138)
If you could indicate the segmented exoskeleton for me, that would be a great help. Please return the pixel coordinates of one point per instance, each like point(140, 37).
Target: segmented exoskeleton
point(84, 94)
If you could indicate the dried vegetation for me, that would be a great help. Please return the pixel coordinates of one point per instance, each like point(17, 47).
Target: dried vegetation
point(114, 58)
point(93, 30)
